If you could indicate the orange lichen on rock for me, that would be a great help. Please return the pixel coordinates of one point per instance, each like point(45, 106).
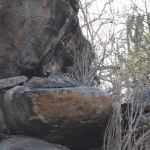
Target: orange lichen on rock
point(53, 106)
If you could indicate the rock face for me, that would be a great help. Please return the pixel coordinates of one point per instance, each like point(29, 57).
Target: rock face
point(34, 32)
point(9, 82)
point(51, 82)
point(19, 142)
point(75, 117)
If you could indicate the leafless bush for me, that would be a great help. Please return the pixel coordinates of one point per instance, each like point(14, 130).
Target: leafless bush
point(129, 124)
point(88, 58)
point(120, 40)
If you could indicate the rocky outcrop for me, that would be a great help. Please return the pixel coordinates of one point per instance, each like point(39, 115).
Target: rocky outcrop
point(58, 110)
point(75, 117)
point(34, 32)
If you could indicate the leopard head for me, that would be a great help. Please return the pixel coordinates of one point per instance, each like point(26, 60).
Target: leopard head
point(51, 69)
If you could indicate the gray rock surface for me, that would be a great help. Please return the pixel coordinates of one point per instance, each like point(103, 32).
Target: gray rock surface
point(20, 142)
point(75, 117)
point(3, 126)
point(9, 82)
point(51, 82)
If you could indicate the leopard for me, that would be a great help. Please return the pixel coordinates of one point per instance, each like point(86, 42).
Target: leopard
point(52, 69)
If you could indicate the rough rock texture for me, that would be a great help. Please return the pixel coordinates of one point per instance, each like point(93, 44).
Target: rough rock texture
point(20, 142)
point(74, 117)
point(9, 82)
point(3, 126)
point(51, 82)
point(34, 32)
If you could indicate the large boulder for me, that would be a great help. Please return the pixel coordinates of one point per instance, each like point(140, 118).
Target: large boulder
point(34, 32)
point(75, 117)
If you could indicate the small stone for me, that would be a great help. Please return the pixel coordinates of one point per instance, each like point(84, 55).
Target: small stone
point(14, 142)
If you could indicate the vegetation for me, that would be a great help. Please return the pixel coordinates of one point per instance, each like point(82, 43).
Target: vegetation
point(120, 38)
